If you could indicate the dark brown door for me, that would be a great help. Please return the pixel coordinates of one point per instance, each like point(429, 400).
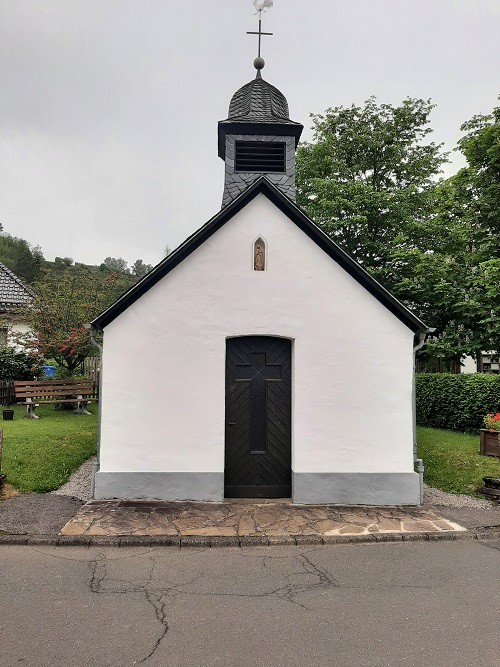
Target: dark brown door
point(258, 418)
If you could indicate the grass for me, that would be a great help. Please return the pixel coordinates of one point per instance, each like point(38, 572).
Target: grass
point(452, 461)
point(40, 454)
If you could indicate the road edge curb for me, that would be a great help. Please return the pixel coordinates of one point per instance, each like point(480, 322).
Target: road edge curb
point(241, 542)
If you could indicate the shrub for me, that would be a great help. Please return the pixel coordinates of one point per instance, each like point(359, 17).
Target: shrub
point(18, 364)
point(456, 401)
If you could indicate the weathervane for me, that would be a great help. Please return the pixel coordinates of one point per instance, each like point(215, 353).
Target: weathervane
point(260, 6)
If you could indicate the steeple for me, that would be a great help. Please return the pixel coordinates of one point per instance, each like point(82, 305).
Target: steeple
point(258, 138)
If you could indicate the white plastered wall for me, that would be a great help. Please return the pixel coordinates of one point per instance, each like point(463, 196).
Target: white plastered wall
point(164, 357)
point(469, 365)
point(15, 329)
point(20, 328)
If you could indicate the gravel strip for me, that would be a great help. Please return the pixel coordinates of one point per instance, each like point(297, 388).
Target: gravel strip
point(78, 486)
point(438, 497)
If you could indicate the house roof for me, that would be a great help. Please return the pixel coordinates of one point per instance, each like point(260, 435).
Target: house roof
point(297, 216)
point(13, 292)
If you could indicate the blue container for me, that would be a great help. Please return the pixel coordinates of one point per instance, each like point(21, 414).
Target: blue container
point(49, 371)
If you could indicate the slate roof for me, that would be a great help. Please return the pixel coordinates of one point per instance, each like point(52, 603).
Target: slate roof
point(258, 108)
point(13, 292)
point(259, 102)
point(297, 216)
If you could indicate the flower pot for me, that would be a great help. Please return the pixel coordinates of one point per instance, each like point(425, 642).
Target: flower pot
point(489, 443)
point(8, 415)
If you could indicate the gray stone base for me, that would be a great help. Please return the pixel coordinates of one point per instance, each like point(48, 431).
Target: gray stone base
point(395, 488)
point(308, 488)
point(160, 485)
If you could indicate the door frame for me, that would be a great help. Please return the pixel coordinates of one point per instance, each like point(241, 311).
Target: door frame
point(292, 400)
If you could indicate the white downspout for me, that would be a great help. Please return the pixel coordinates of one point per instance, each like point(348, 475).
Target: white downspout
point(417, 461)
point(96, 465)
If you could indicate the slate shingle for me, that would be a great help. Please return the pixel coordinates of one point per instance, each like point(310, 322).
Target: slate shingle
point(259, 102)
point(13, 293)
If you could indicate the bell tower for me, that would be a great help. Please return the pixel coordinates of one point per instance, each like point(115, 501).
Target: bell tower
point(258, 138)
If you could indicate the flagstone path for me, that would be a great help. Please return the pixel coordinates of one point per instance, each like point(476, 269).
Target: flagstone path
point(243, 518)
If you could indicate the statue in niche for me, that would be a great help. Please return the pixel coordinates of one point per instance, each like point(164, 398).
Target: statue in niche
point(259, 258)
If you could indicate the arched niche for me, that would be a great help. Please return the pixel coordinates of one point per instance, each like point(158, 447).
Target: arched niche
point(259, 254)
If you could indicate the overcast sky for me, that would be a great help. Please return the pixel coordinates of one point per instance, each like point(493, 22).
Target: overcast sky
point(109, 108)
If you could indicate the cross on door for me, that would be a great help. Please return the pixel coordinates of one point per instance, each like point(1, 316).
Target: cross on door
point(257, 373)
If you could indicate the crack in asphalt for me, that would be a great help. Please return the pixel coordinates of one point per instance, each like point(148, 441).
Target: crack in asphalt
point(98, 573)
point(290, 590)
point(99, 577)
point(302, 576)
point(159, 605)
point(156, 597)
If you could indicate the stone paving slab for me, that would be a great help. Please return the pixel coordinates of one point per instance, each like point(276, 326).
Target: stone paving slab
point(236, 520)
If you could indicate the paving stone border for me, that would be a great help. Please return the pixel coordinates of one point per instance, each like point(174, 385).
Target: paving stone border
point(240, 542)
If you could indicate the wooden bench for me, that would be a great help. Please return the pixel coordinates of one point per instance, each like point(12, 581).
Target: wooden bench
point(34, 392)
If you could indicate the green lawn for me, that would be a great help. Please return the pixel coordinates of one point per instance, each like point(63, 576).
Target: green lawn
point(40, 454)
point(452, 461)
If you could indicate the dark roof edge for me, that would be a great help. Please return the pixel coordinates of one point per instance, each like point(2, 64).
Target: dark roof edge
point(176, 257)
point(263, 186)
point(343, 259)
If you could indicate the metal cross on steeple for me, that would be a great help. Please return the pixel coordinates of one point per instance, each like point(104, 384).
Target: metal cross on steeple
point(259, 6)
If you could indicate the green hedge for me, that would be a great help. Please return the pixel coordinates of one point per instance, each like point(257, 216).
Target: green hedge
point(456, 401)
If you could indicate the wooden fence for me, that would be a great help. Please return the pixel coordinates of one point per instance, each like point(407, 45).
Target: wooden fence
point(6, 392)
point(91, 369)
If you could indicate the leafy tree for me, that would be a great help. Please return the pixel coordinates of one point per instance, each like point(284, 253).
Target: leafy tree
point(119, 265)
point(29, 261)
point(472, 208)
point(369, 181)
point(19, 256)
point(62, 263)
point(139, 269)
point(443, 277)
point(62, 305)
point(481, 148)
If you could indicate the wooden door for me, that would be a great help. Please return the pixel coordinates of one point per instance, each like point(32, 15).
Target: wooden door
point(258, 417)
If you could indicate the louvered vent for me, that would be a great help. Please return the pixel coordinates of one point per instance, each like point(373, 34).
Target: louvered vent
point(260, 156)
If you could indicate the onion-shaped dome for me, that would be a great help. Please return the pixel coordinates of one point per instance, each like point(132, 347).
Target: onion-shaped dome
point(258, 109)
point(259, 102)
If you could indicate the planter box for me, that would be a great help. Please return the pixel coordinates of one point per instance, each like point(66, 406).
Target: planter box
point(490, 443)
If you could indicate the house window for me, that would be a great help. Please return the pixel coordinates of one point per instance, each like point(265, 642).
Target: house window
point(489, 363)
point(261, 156)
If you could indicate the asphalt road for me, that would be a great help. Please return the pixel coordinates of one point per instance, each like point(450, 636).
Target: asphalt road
point(413, 604)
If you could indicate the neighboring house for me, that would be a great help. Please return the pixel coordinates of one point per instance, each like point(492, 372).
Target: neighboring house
point(486, 362)
point(258, 359)
point(14, 297)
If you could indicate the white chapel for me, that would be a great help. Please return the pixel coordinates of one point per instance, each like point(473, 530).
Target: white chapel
point(258, 360)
